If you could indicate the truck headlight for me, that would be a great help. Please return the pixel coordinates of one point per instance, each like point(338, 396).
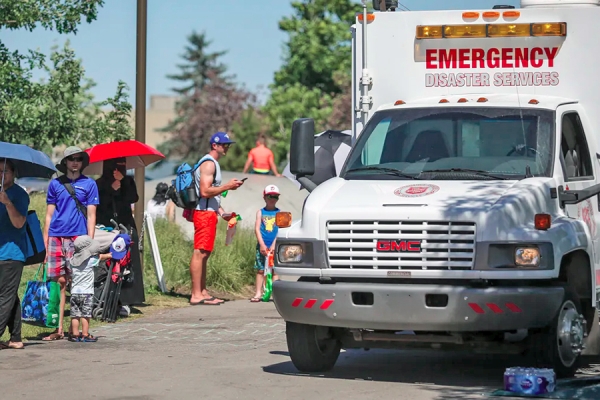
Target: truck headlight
point(290, 253)
point(527, 256)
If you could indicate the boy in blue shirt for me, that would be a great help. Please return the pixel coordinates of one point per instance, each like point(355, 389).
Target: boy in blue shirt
point(14, 203)
point(266, 232)
point(67, 217)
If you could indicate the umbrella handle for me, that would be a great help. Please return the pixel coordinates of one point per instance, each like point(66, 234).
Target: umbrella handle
point(3, 169)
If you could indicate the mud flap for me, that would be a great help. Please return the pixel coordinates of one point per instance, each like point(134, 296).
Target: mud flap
point(592, 342)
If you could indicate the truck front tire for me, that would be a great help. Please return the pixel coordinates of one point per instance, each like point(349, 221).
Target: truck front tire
point(312, 348)
point(559, 345)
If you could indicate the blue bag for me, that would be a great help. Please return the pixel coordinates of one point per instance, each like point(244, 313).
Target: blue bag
point(36, 249)
point(183, 190)
point(34, 306)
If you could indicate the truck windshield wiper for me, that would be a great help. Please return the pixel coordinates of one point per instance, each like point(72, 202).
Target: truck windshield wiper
point(466, 170)
point(390, 171)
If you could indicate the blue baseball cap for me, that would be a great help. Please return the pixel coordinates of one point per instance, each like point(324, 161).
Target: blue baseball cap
point(120, 246)
point(220, 138)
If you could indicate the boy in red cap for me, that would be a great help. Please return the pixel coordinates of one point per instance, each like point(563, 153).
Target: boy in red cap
point(266, 232)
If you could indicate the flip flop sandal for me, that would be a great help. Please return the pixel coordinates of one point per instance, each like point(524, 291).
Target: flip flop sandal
point(255, 300)
point(5, 346)
point(220, 301)
point(54, 336)
point(204, 303)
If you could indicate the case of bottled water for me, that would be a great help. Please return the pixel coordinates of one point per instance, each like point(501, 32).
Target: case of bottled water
point(529, 380)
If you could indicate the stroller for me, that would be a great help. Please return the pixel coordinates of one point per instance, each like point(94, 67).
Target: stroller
point(109, 277)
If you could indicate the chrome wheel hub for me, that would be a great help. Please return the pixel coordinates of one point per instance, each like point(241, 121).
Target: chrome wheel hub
point(572, 331)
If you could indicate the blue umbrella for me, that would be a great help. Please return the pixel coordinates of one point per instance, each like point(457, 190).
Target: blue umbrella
point(28, 162)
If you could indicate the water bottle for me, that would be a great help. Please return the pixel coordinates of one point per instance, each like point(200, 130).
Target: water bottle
point(529, 380)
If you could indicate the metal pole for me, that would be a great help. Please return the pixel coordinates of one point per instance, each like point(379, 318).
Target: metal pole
point(140, 107)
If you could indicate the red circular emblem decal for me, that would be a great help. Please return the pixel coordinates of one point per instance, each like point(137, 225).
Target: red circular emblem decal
point(416, 190)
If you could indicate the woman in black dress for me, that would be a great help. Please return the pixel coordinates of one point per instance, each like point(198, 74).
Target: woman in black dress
point(117, 193)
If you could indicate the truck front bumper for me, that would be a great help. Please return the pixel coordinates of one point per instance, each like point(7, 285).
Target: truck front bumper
point(409, 307)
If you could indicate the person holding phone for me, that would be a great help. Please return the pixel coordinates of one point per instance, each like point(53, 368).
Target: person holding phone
point(207, 180)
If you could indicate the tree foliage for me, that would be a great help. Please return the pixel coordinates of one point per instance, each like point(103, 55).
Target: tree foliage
point(61, 109)
point(314, 80)
point(319, 43)
point(210, 101)
point(61, 15)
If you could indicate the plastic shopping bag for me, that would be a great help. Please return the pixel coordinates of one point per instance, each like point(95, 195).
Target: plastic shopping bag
point(53, 305)
point(268, 286)
point(35, 300)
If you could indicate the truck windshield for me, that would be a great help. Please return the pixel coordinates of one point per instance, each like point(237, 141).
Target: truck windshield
point(457, 143)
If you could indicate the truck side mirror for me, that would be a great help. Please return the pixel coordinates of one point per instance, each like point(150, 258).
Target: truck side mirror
point(302, 148)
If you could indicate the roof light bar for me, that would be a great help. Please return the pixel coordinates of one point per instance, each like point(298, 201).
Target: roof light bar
point(509, 30)
point(491, 30)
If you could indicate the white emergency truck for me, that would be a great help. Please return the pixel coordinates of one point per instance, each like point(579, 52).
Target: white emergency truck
point(467, 213)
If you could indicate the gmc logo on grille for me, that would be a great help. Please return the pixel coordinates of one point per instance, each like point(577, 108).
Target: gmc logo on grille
point(399, 246)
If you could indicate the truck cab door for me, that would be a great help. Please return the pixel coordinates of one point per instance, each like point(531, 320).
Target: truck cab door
point(577, 155)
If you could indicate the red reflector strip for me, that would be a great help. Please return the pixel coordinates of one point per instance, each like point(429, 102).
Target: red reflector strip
point(476, 308)
point(310, 303)
point(513, 307)
point(326, 304)
point(494, 308)
point(297, 302)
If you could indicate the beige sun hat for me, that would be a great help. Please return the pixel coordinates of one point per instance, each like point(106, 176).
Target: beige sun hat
point(69, 151)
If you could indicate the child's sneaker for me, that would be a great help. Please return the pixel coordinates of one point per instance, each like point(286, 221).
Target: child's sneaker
point(89, 338)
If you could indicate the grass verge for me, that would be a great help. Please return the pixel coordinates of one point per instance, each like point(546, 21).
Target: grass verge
point(230, 268)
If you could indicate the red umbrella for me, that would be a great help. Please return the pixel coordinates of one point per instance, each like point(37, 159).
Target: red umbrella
point(136, 155)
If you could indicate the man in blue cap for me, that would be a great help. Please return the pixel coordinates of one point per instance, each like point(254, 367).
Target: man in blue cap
point(207, 179)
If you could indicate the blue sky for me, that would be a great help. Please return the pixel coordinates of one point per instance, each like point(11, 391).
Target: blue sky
point(248, 29)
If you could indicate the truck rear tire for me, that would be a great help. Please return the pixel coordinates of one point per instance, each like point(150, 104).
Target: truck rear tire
point(312, 348)
point(559, 345)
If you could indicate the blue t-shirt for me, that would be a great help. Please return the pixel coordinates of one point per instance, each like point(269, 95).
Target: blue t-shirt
point(268, 229)
point(13, 241)
point(67, 220)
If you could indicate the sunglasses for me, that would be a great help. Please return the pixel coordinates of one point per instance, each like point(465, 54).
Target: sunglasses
point(226, 145)
point(273, 196)
point(77, 159)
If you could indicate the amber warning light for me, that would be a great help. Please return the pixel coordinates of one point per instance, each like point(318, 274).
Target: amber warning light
point(491, 30)
point(283, 219)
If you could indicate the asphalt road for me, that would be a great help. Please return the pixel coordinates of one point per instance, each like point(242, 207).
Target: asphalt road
point(232, 351)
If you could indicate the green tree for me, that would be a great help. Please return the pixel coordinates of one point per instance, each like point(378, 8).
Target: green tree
point(195, 73)
point(61, 109)
point(319, 43)
point(245, 132)
point(209, 101)
point(314, 78)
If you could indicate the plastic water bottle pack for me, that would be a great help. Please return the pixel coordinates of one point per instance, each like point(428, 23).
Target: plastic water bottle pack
point(529, 380)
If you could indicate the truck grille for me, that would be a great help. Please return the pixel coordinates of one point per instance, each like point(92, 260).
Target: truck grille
point(444, 245)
